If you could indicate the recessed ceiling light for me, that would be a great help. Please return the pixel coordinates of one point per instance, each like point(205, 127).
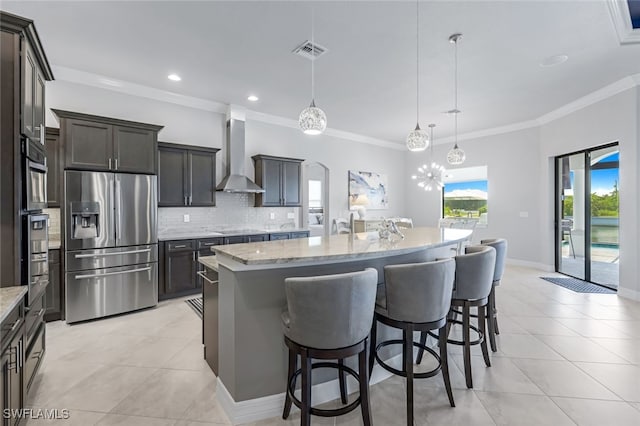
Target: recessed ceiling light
point(253, 98)
point(553, 60)
point(174, 77)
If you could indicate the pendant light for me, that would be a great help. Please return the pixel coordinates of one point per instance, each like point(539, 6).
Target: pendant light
point(456, 155)
point(417, 139)
point(430, 175)
point(312, 120)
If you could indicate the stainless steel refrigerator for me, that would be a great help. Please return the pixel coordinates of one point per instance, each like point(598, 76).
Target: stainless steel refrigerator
point(111, 243)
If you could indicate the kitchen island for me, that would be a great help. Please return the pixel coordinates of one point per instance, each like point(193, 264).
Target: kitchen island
point(252, 357)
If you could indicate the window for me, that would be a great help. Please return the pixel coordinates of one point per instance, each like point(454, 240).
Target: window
point(465, 194)
point(315, 193)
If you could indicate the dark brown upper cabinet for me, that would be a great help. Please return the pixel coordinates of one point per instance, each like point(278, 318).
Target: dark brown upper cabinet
point(280, 178)
point(107, 144)
point(186, 175)
point(25, 70)
point(54, 166)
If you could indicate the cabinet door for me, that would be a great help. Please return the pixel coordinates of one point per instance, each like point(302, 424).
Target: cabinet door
point(88, 145)
point(54, 292)
point(12, 378)
point(291, 183)
point(38, 104)
point(172, 177)
point(28, 86)
point(236, 239)
point(134, 150)
point(180, 273)
point(271, 183)
point(52, 146)
point(203, 178)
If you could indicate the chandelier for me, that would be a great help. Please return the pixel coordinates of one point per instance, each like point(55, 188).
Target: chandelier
point(430, 175)
point(456, 155)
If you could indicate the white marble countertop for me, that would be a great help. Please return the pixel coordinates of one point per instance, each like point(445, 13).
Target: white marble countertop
point(210, 262)
point(343, 246)
point(10, 297)
point(182, 234)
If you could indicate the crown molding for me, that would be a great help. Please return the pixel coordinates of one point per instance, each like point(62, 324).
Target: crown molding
point(621, 17)
point(107, 83)
point(613, 89)
point(490, 132)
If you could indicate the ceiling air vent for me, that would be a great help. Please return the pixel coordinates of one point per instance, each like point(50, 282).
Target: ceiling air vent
point(310, 50)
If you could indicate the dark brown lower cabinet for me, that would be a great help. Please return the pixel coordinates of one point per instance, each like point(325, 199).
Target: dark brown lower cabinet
point(210, 317)
point(12, 377)
point(179, 269)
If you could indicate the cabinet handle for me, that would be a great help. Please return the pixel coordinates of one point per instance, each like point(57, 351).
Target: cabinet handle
point(109, 163)
point(116, 161)
point(194, 255)
point(21, 353)
point(190, 199)
point(180, 246)
point(203, 275)
point(185, 201)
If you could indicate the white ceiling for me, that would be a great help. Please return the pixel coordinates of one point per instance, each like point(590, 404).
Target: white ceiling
point(366, 82)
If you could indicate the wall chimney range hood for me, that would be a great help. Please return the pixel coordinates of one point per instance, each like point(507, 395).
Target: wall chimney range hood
point(235, 179)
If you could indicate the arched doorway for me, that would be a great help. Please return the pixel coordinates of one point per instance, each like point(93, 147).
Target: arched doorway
point(315, 198)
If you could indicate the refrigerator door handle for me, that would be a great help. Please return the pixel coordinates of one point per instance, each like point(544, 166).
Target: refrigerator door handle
point(118, 209)
point(106, 274)
point(84, 256)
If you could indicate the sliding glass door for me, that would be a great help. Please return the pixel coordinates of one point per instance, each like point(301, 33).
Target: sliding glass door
point(587, 199)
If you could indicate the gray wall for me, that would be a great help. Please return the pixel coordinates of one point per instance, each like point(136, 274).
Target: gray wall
point(514, 186)
point(616, 118)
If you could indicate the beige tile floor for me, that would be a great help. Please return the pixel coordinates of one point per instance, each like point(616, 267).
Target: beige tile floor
point(564, 358)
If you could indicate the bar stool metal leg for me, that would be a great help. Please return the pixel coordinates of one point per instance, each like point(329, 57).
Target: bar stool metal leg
point(466, 336)
point(363, 370)
point(407, 351)
point(482, 322)
point(305, 415)
point(491, 320)
point(343, 383)
point(444, 359)
point(372, 345)
point(293, 360)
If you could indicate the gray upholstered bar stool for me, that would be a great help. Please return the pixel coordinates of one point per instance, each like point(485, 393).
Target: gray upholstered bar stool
point(474, 279)
point(500, 244)
point(416, 297)
point(329, 317)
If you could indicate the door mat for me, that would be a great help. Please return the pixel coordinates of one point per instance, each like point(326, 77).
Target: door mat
point(196, 305)
point(579, 286)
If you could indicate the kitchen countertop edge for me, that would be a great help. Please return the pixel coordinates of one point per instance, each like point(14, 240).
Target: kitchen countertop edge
point(11, 297)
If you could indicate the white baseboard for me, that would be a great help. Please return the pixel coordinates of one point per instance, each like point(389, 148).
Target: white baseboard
point(629, 294)
point(271, 406)
point(528, 264)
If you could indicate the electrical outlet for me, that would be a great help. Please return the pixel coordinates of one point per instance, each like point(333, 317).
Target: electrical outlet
point(291, 215)
point(272, 215)
point(524, 214)
point(186, 218)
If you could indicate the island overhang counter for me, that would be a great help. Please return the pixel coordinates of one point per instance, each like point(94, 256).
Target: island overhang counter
point(252, 357)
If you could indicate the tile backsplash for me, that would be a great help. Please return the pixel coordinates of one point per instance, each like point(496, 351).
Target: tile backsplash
point(54, 223)
point(231, 211)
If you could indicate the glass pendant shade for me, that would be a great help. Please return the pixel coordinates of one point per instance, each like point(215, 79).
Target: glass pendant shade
point(455, 156)
point(312, 120)
point(417, 140)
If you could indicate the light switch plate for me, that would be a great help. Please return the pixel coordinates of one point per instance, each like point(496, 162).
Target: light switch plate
point(186, 218)
point(524, 214)
point(272, 215)
point(291, 215)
